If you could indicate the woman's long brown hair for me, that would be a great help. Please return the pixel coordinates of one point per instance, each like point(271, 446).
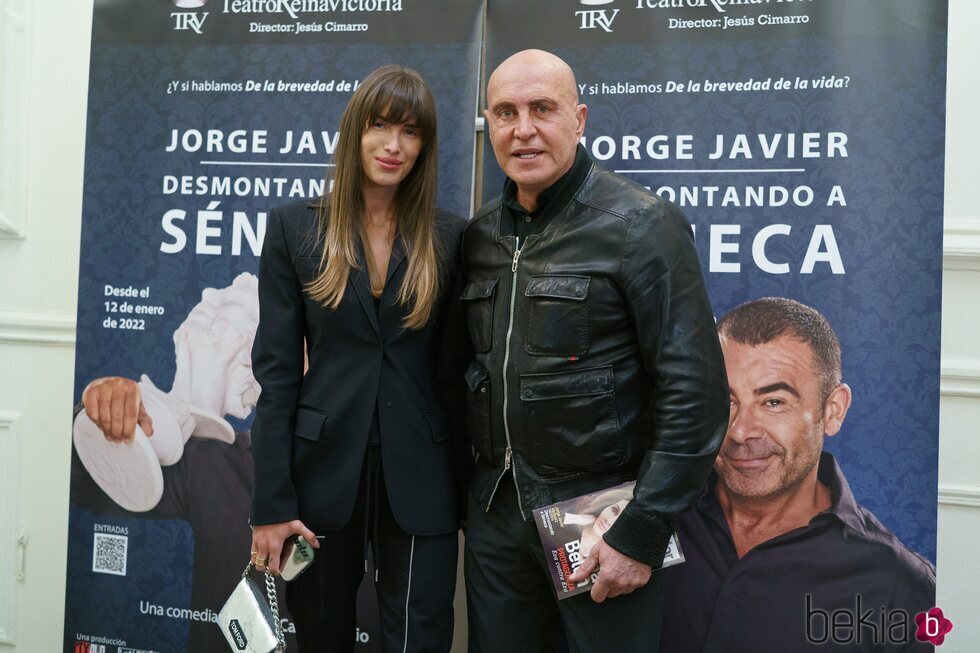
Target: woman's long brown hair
point(396, 95)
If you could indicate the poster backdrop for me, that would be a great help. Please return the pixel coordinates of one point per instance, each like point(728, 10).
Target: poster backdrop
point(804, 142)
point(204, 114)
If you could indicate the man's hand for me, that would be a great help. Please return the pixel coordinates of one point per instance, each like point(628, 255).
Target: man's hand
point(618, 573)
point(268, 540)
point(115, 405)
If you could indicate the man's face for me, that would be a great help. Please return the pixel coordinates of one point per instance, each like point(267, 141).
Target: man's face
point(534, 121)
point(778, 420)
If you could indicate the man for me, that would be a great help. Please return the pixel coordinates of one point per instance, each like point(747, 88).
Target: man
point(596, 362)
point(780, 556)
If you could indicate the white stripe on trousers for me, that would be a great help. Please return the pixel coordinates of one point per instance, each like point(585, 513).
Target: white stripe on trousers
point(408, 591)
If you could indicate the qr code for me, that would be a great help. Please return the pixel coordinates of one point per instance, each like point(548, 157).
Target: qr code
point(109, 554)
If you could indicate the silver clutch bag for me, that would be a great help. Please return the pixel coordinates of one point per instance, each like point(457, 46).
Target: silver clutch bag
point(250, 624)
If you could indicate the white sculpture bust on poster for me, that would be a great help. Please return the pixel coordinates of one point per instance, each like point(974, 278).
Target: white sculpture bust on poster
point(213, 378)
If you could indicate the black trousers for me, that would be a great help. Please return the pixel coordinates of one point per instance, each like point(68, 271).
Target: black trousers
point(511, 604)
point(415, 579)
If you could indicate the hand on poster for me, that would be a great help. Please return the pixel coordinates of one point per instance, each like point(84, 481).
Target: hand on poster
point(618, 573)
point(115, 405)
point(268, 541)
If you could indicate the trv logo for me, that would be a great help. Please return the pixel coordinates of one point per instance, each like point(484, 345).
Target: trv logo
point(880, 626)
point(596, 18)
point(88, 647)
point(188, 20)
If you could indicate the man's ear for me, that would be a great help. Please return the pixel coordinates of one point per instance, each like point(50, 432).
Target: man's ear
point(581, 112)
point(835, 408)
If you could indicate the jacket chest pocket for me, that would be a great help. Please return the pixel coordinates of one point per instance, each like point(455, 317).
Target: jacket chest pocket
point(307, 268)
point(478, 296)
point(558, 315)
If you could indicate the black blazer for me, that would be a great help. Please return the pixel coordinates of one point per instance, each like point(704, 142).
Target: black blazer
point(310, 432)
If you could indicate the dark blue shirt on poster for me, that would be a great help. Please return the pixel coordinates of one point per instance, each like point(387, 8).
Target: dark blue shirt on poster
point(843, 583)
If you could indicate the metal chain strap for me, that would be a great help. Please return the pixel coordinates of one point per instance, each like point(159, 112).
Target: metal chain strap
point(270, 590)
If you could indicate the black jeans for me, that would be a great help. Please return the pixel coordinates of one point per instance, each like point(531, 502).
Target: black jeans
point(415, 579)
point(512, 607)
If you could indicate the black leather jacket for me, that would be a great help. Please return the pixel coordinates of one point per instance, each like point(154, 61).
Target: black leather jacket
point(596, 359)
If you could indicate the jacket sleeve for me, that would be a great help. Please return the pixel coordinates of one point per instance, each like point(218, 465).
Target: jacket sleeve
point(454, 354)
point(679, 345)
point(277, 362)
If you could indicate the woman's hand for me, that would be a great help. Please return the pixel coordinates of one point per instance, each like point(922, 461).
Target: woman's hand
point(268, 540)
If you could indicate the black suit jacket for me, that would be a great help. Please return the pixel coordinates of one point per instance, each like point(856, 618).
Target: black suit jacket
point(310, 432)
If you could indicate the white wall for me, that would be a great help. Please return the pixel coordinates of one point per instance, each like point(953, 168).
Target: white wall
point(959, 446)
point(38, 294)
point(43, 129)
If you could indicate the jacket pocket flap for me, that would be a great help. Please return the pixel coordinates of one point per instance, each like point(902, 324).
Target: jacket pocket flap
point(307, 265)
point(479, 289)
point(309, 423)
point(570, 287)
point(581, 383)
point(475, 376)
point(438, 426)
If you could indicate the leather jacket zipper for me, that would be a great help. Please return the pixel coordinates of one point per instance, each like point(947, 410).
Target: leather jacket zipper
point(508, 452)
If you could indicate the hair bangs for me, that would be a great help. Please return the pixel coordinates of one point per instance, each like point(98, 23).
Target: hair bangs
point(403, 99)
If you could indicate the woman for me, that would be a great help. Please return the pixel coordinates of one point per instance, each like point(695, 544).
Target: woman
point(357, 450)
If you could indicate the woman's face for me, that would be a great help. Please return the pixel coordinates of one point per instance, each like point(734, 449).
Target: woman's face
point(608, 517)
point(388, 152)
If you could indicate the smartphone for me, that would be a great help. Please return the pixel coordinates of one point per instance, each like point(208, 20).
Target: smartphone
point(297, 555)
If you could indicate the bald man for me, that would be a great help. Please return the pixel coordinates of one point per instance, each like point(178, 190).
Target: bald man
point(596, 362)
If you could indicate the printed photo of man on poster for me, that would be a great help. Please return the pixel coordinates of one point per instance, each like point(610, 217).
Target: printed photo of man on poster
point(780, 555)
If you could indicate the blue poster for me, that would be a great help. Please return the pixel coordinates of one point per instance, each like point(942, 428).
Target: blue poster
point(804, 143)
point(202, 116)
